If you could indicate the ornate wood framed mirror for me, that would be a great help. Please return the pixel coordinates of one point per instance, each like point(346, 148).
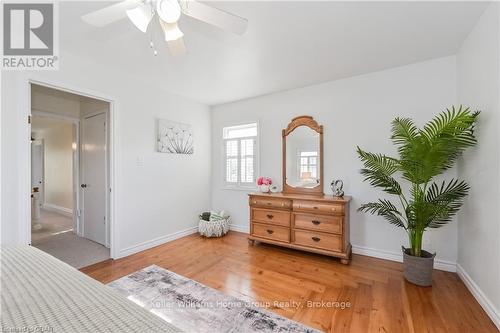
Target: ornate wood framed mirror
point(303, 157)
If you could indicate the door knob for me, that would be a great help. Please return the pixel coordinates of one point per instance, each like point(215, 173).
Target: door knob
point(83, 186)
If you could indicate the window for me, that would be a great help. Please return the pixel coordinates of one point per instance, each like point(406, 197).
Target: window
point(308, 164)
point(240, 155)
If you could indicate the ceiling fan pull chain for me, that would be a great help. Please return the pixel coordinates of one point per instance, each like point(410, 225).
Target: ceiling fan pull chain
point(151, 42)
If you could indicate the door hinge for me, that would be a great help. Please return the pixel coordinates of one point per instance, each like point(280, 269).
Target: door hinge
point(29, 119)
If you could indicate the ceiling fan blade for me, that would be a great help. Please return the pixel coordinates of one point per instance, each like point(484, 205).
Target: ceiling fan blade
point(141, 16)
point(110, 14)
point(177, 47)
point(214, 16)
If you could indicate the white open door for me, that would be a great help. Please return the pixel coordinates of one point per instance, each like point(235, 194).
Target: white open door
point(94, 178)
point(37, 162)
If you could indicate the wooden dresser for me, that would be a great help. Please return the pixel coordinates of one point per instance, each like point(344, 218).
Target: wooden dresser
point(317, 224)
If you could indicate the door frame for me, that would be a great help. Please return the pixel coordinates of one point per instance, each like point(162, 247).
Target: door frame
point(76, 162)
point(25, 158)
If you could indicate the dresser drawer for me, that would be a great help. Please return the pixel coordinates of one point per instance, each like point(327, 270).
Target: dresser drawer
point(324, 223)
point(270, 231)
point(318, 240)
point(270, 202)
point(318, 207)
point(278, 217)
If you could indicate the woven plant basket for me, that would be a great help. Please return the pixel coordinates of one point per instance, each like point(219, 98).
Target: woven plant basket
point(418, 270)
point(217, 228)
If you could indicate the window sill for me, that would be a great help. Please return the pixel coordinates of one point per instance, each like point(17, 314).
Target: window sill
point(242, 189)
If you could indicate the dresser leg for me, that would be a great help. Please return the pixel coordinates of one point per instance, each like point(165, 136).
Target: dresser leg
point(251, 242)
point(345, 261)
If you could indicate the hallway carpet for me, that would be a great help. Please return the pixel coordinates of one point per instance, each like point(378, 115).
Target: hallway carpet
point(58, 239)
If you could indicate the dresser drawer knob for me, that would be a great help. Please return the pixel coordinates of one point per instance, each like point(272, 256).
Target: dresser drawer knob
point(315, 207)
point(270, 216)
point(269, 203)
point(316, 239)
point(282, 204)
point(315, 222)
point(255, 202)
point(269, 231)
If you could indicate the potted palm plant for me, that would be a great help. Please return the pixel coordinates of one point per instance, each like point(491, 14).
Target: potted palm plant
point(423, 154)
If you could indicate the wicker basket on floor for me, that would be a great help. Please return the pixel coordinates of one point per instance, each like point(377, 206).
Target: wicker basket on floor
point(214, 228)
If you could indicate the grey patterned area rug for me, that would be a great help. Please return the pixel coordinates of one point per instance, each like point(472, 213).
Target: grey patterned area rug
point(193, 307)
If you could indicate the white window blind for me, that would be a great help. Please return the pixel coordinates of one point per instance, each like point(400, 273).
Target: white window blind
point(240, 150)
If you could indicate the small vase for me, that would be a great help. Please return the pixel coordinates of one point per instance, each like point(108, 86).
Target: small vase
point(264, 188)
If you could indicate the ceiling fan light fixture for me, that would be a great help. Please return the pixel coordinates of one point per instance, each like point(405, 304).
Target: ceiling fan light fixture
point(141, 16)
point(171, 30)
point(168, 10)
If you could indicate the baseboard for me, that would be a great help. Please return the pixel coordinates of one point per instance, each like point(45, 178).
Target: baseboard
point(478, 294)
point(443, 265)
point(58, 209)
point(155, 242)
point(240, 228)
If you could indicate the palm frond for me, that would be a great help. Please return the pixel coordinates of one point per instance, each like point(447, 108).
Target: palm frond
point(379, 170)
point(447, 136)
point(436, 147)
point(378, 162)
point(378, 179)
point(386, 209)
point(404, 133)
point(445, 201)
point(452, 124)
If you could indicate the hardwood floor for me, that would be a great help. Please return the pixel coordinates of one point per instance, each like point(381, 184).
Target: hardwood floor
point(379, 298)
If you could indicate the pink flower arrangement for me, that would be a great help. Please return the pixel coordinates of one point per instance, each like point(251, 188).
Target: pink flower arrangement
point(264, 181)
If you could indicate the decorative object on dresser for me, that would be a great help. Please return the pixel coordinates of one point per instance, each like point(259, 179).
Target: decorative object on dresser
point(264, 184)
point(274, 188)
point(424, 154)
point(337, 187)
point(302, 217)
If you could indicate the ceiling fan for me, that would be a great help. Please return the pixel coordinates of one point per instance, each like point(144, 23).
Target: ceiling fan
point(142, 13)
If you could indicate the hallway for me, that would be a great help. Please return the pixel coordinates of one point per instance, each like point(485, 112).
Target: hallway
point(56, 237)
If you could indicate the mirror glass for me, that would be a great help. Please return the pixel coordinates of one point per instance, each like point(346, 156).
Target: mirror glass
point(302, 158)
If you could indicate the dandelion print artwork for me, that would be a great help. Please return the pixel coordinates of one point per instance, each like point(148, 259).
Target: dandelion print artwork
point(174, 137)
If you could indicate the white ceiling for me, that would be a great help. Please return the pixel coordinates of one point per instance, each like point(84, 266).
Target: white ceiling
point(287, 45)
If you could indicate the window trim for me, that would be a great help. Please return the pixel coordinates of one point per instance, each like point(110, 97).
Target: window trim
point(299, 162)
point(239, 186)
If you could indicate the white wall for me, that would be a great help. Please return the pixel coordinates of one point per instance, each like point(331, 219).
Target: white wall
point(353, 111)
point(155, 198)
point(478, 74)
point(57, 137)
